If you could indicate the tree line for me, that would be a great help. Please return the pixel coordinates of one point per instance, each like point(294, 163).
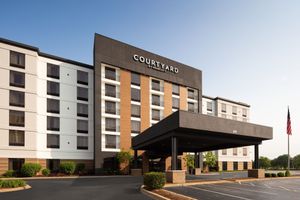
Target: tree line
point(281, 162)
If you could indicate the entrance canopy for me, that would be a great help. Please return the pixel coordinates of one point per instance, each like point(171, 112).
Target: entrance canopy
point(198, 133)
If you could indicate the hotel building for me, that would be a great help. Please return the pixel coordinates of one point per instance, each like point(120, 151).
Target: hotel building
point(54, 109)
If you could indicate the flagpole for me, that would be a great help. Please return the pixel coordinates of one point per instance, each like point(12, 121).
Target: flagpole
point(288, 151)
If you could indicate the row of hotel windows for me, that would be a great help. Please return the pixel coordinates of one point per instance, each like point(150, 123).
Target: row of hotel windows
point(235, 166)
point(110, 73)
point(17, 138)
point(209, 107)
point(235, 151)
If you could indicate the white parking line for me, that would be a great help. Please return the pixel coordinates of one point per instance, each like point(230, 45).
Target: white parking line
point(221, 193)
point(252, 184)
point(267, 186)
point(238, 188)
point(284, 188)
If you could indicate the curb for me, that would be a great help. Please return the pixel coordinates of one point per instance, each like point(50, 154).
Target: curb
point(26, 187)
point(156, 196)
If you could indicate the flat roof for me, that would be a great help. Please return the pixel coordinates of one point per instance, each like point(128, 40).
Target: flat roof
point(227, 100)
point(32, 48)
point(199, 133)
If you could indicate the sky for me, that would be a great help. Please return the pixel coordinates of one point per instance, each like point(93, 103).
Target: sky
point(248, 51)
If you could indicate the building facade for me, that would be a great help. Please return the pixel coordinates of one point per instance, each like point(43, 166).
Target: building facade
point(55, 110)
point(46, 108)
point(235, 158)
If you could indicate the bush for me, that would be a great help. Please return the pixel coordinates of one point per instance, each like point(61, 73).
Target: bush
point(267, 175)
point(67, 168)
point(107, 171)
point(9, 173)
point(80, 167)
point(280, 174)
point(274, 175)
point(154, 180)
point(12, 183)
point(287, 173)
point(46, 172)
point(30, 169)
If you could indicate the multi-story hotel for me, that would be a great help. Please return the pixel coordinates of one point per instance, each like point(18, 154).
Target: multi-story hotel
point(54, 109)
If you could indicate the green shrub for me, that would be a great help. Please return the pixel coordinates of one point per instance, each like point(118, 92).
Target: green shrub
point(67, 168)
point(267, 175)
point(80, 167)
point(46, 172)
point(12, 183)
point(280, 174)
point(9, 173)
point(274, 175)
point(107, 171)
point(154, 180)
point(287, 173)
point(30, 169)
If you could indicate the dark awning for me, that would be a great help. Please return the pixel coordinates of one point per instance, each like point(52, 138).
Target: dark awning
point(199, 133)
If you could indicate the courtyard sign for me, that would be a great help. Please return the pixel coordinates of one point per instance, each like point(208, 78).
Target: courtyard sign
point(153, 64)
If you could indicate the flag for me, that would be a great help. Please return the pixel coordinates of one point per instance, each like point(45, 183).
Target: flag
point(289, 126)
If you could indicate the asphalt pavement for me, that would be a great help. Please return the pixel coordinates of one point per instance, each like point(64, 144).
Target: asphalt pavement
point(274, 189)
point(100, 188)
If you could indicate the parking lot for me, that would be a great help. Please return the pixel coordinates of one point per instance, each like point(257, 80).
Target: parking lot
point(274, 189)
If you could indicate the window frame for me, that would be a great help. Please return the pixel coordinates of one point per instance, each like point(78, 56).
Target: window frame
point(22, 124)
point(83, 114)
point(15, 143)
point(21, 61)
point(11, 93)
point(53, 146)
point(109, 75)
point(49, 123)
point(85, 74)
point(50, 108)
point(82, 147)
point(82, 98)
point(53, 68)
point(11, 74)
point(50, 85)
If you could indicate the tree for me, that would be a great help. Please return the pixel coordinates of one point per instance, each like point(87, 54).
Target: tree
point(190, 162)
point(280, 162)
point(124, 158)
point(264, 162)
point(296, 161)
point(210, 159)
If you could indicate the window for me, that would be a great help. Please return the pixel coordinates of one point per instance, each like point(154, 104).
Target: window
point(175, 103)
point(245, 151)
point(224, 151)
point(245, 165)
point(244, 112)
point(192, 94)
point(155, 100)
point(234, 110)
point(110, 107)
point(155, 85)
point(135, 79)
point(224, 166)
point(235, 166)
point(110, 124)
point(191, 107)
point(135, 126)
point(16, 118)
point(53, 165)
point(135, 94)
point(223, 107)
point(175, 89)
point(82, 110)
point(15, 163)
point(110, 73)
point(135, 110)
point(82, 142)
point(16, 98)
point(17, 59)
point(53, 141)
point(110, 90)
point(53, 106)
point(235, 151)
point(155, 114)
point(17, 79)
point(82, 94)
point(52, 88)
point(82, 126)
point(209, 106)
point(52, 123)
point(52, 71)
point(82, 77)
point(16, 138)
point(112, 141)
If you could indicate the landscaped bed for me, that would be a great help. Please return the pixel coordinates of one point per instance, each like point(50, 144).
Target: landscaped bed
point(13, 185)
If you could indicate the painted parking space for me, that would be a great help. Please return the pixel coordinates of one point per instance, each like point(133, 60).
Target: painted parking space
point(256, 190)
